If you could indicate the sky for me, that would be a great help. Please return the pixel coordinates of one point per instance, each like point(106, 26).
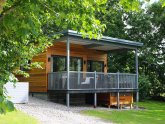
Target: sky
point(152, 1)
point(148, 3)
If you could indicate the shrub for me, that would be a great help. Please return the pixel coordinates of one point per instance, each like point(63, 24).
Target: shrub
point(144, 87)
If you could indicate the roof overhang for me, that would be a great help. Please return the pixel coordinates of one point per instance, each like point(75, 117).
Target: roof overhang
point(104, 43)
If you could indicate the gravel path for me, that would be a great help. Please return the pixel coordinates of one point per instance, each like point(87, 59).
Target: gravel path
point(52, 113)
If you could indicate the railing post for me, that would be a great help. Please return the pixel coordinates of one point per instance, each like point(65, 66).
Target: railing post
point(78, 79)
point(118, 95)
point(132, 78)
point(95, 94)
point(118, 80)
point(95, 81)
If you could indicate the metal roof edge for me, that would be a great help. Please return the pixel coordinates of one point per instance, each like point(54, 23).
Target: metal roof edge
point(104, 38)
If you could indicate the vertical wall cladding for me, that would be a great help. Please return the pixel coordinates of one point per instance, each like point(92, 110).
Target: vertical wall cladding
point(59, 48)
point(38, 77)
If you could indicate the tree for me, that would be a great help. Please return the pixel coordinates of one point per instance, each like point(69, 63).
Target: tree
point(146, 26)
point(27, 27)
point(113, 18)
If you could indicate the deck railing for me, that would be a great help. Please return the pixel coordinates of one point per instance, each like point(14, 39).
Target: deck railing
point(91, 80)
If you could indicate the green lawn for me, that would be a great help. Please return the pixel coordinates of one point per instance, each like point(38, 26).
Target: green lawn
point(17, 117)
point(153, 114)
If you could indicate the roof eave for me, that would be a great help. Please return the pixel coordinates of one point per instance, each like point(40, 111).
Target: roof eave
point(105, 39)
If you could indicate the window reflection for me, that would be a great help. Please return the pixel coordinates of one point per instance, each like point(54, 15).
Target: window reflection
point(60, 63)
point(95, 66)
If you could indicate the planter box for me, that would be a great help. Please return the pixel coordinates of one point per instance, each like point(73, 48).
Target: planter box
point(110, 99)
point(19, 93)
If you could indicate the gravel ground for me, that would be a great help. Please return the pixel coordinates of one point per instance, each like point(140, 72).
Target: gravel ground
point(52, 113)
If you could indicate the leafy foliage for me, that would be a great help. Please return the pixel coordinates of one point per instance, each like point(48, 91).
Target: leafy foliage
point(6, 105)
point(163, 3)
point(146, 26)
point(130, 4)
point(28, 27)
point(144, 87)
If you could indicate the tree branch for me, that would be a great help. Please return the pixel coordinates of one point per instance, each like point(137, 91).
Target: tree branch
point(9, 10)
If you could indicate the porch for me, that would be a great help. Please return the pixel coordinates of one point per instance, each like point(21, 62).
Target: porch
point(81, 80)
point(94, 83)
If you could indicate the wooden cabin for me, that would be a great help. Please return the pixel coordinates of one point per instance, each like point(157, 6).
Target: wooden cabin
point(79, 65)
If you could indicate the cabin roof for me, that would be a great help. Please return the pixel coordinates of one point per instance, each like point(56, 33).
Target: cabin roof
point(104, 43)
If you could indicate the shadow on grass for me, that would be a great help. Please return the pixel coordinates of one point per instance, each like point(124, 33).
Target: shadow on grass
point(154, 113)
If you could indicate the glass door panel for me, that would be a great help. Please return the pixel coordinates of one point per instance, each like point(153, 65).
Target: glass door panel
point(75, 64)
point(95, 66)
point(60, 63)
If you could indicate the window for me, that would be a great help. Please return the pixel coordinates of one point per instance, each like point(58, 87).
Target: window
point(60, 63)
point(75, 64)
point(95, 66)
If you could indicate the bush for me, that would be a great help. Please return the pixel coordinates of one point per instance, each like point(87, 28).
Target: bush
point(144, 87)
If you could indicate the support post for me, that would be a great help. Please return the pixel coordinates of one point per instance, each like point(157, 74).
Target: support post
point(118, 86)
point(68, 99)
point(118, 100)
point(79, 69)
point(137, 99)
point(95, 100)
point(137, 75)
point(95, 94)
point(68, 73)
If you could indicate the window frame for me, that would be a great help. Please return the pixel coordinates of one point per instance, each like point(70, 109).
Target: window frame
point(91, 61)
point(65, 57)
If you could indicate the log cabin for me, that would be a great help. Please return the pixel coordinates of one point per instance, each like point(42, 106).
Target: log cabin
point(77, 65)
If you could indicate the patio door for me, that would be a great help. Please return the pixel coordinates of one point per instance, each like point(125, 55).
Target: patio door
point(59, 63)
point(97, 66)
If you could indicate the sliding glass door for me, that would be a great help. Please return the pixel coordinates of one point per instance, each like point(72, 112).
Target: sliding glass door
point(75, 64)
point(95, 66)
point(60, 63)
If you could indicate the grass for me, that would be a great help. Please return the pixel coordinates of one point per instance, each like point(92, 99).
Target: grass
point(153, 114)
point(17, 117)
